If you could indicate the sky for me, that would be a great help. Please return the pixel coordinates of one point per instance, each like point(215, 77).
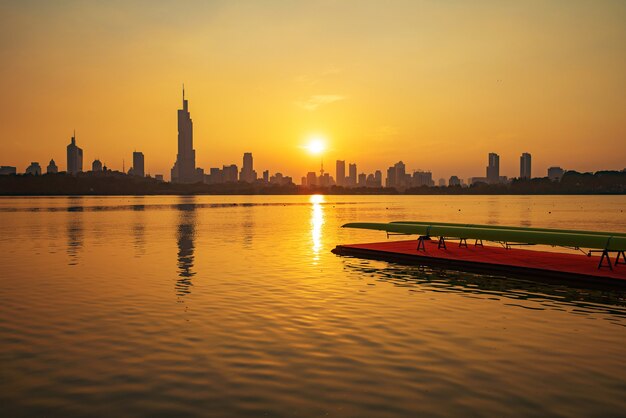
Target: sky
point(436, 84)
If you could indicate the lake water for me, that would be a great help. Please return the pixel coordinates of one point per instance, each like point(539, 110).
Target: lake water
point(235, 306)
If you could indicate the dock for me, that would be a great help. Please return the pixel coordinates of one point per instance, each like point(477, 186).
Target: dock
point(491, 259)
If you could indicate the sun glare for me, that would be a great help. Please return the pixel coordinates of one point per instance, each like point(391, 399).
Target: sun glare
point(316, 145)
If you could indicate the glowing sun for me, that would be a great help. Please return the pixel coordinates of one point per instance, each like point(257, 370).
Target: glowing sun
point(316, 145)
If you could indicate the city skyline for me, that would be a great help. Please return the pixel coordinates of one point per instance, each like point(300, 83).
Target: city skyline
point(464, 83)
point(185, 170)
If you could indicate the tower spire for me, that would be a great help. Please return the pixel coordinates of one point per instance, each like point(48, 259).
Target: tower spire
point(183, 92)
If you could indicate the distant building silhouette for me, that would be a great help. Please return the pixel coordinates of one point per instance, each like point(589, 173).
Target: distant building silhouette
point(454, 181)
point(340, 172)
point(138, 164)
point(6, 170)
point(247, 170)
point(34, 168)
point(96, 166)
point(378, 178)
point(351, 175)
point(74, 157)
point(524, 166)
point(230, 173)
point(493, 169)
point(325, 180)
point(266, 176)
point(158, 177)
point(311, 178)
point(362, 180)
point(281, 180)
point(391, 177)
point(442, 182)
point(184, 170)
point(396, 176)
point(52, 168)
point(421, 178)
point(555, 173)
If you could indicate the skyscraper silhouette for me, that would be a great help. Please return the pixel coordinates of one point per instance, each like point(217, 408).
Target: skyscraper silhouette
point(74, 157)
point(340, 173)
point(493, 169)
point(524, 166)
point(138, 164)
point(184, 170)
point(247, 170)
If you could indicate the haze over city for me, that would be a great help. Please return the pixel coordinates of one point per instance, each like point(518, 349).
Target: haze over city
point(436, 85)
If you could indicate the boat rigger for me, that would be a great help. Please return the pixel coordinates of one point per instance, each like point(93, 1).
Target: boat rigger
point(601, 242)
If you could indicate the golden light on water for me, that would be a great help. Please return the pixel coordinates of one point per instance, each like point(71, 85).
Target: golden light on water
point(317, 221)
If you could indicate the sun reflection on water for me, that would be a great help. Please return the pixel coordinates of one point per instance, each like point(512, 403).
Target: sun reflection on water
point(317, 221)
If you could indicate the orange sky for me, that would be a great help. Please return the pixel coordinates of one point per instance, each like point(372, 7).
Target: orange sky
point(438, 84)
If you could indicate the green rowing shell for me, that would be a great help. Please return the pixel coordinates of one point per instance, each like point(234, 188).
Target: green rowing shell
point(601, 241)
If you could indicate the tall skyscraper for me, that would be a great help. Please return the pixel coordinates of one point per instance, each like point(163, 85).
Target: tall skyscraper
point(524, 166)
point(352, 175)
point(401, 177)
point(391, 177)
point(247, 171)
point(184, 170)
point(74, 157)
point(378, 178)
point(340, 173)
point(96, 166)
point(138, 164)
point(493, 169)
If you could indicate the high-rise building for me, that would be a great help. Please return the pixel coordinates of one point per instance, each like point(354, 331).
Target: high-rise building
point(396, 175)
point(74, 157)
point(230, 173)
point(422, 178)
point(138, 164)
point(524, 166)
point(340, 173)
point(352, 175)
point(266, 176)
point(184, 170)
point(555, 173)
point(454, 181)
point(311, 178)
point(442, 182)
point(247, 171)
point(34, 168)
point(378, 178)
point(391, 177)
point(96, 166)
point(52, 168)
point(362, 181)
point(493, 169)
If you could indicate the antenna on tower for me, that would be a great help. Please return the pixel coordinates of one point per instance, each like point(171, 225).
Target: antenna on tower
point(183, 92)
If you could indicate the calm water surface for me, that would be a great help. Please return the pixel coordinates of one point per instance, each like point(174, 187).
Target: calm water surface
point(235, 306)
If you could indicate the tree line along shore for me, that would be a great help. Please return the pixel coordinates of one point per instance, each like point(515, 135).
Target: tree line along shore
point(62, 184)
